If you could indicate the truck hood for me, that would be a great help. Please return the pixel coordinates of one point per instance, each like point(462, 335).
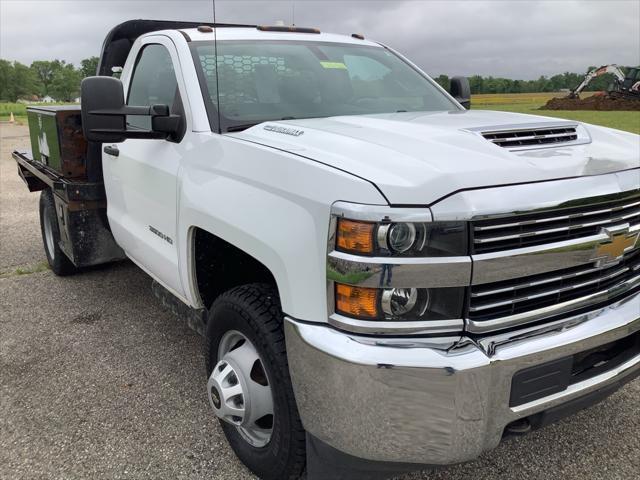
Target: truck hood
point(418, 158)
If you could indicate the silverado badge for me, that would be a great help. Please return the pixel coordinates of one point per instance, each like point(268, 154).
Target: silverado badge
point(287, 131)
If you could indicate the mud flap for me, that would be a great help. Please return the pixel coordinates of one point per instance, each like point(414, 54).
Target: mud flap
point(85, 236)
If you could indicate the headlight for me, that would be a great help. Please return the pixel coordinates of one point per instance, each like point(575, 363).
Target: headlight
point(405, 304)
point(404, 239)
point(397, 237)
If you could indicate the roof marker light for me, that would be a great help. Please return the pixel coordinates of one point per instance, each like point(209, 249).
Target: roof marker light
point(279, 28)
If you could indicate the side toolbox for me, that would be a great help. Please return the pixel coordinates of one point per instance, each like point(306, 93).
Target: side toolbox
point(57, 142)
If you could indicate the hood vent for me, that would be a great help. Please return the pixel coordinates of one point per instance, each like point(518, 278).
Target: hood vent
point(532, 137)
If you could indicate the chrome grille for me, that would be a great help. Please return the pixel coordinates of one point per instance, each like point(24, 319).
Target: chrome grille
point(532, 136)
point(506, 298)
point(531, 229)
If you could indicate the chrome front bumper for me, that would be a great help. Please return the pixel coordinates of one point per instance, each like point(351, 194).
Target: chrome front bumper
point(437, 400)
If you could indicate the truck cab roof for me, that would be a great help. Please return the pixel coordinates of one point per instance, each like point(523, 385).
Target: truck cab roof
point(120, 39)
point(256, 33)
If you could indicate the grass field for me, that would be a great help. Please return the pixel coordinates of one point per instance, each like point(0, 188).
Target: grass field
point(513, 102)
point(531, 103)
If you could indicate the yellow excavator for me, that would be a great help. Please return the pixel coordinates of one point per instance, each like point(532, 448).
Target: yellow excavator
point(624, 85)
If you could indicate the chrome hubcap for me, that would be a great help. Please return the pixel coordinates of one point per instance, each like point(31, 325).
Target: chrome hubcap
point(239, 390)
point(48, 235)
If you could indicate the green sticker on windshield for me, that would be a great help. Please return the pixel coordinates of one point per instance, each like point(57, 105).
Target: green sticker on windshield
point(338, 65)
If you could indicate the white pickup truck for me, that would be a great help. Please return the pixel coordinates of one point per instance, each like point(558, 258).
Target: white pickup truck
point(384, 279)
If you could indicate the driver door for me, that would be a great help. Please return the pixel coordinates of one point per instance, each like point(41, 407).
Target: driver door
point(141, 177)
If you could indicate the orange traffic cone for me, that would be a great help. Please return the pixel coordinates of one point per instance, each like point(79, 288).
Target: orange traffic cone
point(11, 119)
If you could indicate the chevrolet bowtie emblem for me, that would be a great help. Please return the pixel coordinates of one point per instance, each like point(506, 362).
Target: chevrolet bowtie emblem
point(620, 241)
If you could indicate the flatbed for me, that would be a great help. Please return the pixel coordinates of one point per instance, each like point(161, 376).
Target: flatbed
point(81, 208)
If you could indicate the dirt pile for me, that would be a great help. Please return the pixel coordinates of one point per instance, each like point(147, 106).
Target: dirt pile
point(594, 102)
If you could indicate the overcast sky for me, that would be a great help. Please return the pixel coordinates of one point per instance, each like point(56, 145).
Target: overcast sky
point(515, 39)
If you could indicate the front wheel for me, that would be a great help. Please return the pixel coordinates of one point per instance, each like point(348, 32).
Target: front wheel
point(58, 261)
point(249, 386)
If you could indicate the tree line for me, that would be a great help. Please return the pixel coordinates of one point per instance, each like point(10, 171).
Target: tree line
point(61, 81)
point(57, 79)
point(556, 83)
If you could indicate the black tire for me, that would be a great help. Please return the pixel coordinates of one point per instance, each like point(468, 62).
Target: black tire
point(58, 261)
point(254, 310)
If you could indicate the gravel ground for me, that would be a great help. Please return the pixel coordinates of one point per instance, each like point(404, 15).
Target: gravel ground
point(98, 381)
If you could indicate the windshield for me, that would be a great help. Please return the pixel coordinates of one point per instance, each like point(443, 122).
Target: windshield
point(257, 81)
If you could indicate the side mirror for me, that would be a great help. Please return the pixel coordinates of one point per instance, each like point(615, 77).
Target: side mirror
point(461, 91)
point(102, 93)
point(104, 113)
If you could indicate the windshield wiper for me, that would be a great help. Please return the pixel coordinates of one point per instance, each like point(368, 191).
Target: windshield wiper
point(242, 126)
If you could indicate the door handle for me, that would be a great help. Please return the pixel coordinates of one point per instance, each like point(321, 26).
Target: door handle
point(112, 150)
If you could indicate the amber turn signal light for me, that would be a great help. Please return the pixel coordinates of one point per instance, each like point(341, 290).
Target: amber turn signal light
point(355, 237)
point(356, 301)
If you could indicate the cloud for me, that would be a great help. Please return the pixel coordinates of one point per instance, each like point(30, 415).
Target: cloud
point(516, 39)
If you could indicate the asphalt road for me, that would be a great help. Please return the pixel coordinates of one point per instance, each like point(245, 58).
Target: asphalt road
point(98, 381)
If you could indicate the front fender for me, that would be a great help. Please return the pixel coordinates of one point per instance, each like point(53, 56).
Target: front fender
point(273, 205)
